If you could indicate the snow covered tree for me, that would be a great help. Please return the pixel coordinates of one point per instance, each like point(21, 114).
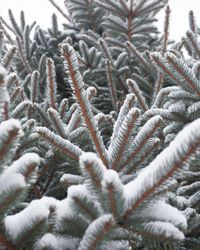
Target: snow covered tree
point(99, 133)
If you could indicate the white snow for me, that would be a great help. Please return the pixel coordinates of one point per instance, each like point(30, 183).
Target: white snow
point(11, 181)
point(78, 190)
point(164, 212)
point(91, 158)
point(3, 72)
point(165, 228)
point(47, 240)
point(9, 125)
point(50, 241)
point(20, 165)
point(37, 210)
point(164, 162)
point(4, 96)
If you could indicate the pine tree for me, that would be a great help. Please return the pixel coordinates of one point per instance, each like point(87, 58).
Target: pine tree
point(99, 132)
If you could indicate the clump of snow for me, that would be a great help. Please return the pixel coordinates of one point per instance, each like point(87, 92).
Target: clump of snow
point(11, 181)
point(25, 161)
point(63, 209)
point(110, 176)
point(91, 158)
point(78, 190)
point(4, 96)
point(3, 72)
point(10, 125)
point(165, 229)
point(50, 241)
point(37, 210)
point(164, 212)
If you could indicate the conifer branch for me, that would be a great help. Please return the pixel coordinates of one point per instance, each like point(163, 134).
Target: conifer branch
point(133, 167)
point(35, 80)
point(93, 171)
point(57, 122)
point(146, 132)
point(192, 22)
point(133, 88)
point(42, 114)
point(8, 57)
point(22, 55)
point(112, 87)
point(166, 166)
point(80, 94)
point(127, 105)
point(123, 136)
point(60, 144)
point(60, 10)
point(20, 109)
point(166, 29)
point(194, 42)
point(51, 83)
point(184, 72)
point(64, 105)
point(96, 232)
point(138, 55)
point(10, 133)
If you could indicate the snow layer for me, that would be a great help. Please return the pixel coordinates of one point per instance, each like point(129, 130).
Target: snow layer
point(21, 165)
point(165, 163)
point(164, 212)
point(164, 228)
point(50, 241)
point(37, 210)
point(9, 125)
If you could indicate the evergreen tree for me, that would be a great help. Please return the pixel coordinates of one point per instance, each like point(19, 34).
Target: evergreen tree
point(99, 132)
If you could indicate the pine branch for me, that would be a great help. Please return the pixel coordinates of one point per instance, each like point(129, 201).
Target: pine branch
point(112, 87)
point(127, 105)
point(93, 171)
point(59, 143)
point(145, 133)
point(166, 29)
point(57, 123)
point(138, 55)
point(10, 133)
point(177, 71)
point(22, 55)
point(114, 199)
point(192, 22)
point(124, 133)
point(133, 88)
point(9, 57)
point(165, 167)
point(96, 232)
point(80, 94)
point(35, 81)
point(51, 83)
point(194, 43)
point(60, 10)
point(82, 202)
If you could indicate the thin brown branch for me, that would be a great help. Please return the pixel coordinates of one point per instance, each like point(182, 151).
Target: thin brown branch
point(60, 10)
point(111, 84)
point(166, 29)
point(85, 108)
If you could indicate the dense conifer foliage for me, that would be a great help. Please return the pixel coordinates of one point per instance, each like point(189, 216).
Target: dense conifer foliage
point(99, 130)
